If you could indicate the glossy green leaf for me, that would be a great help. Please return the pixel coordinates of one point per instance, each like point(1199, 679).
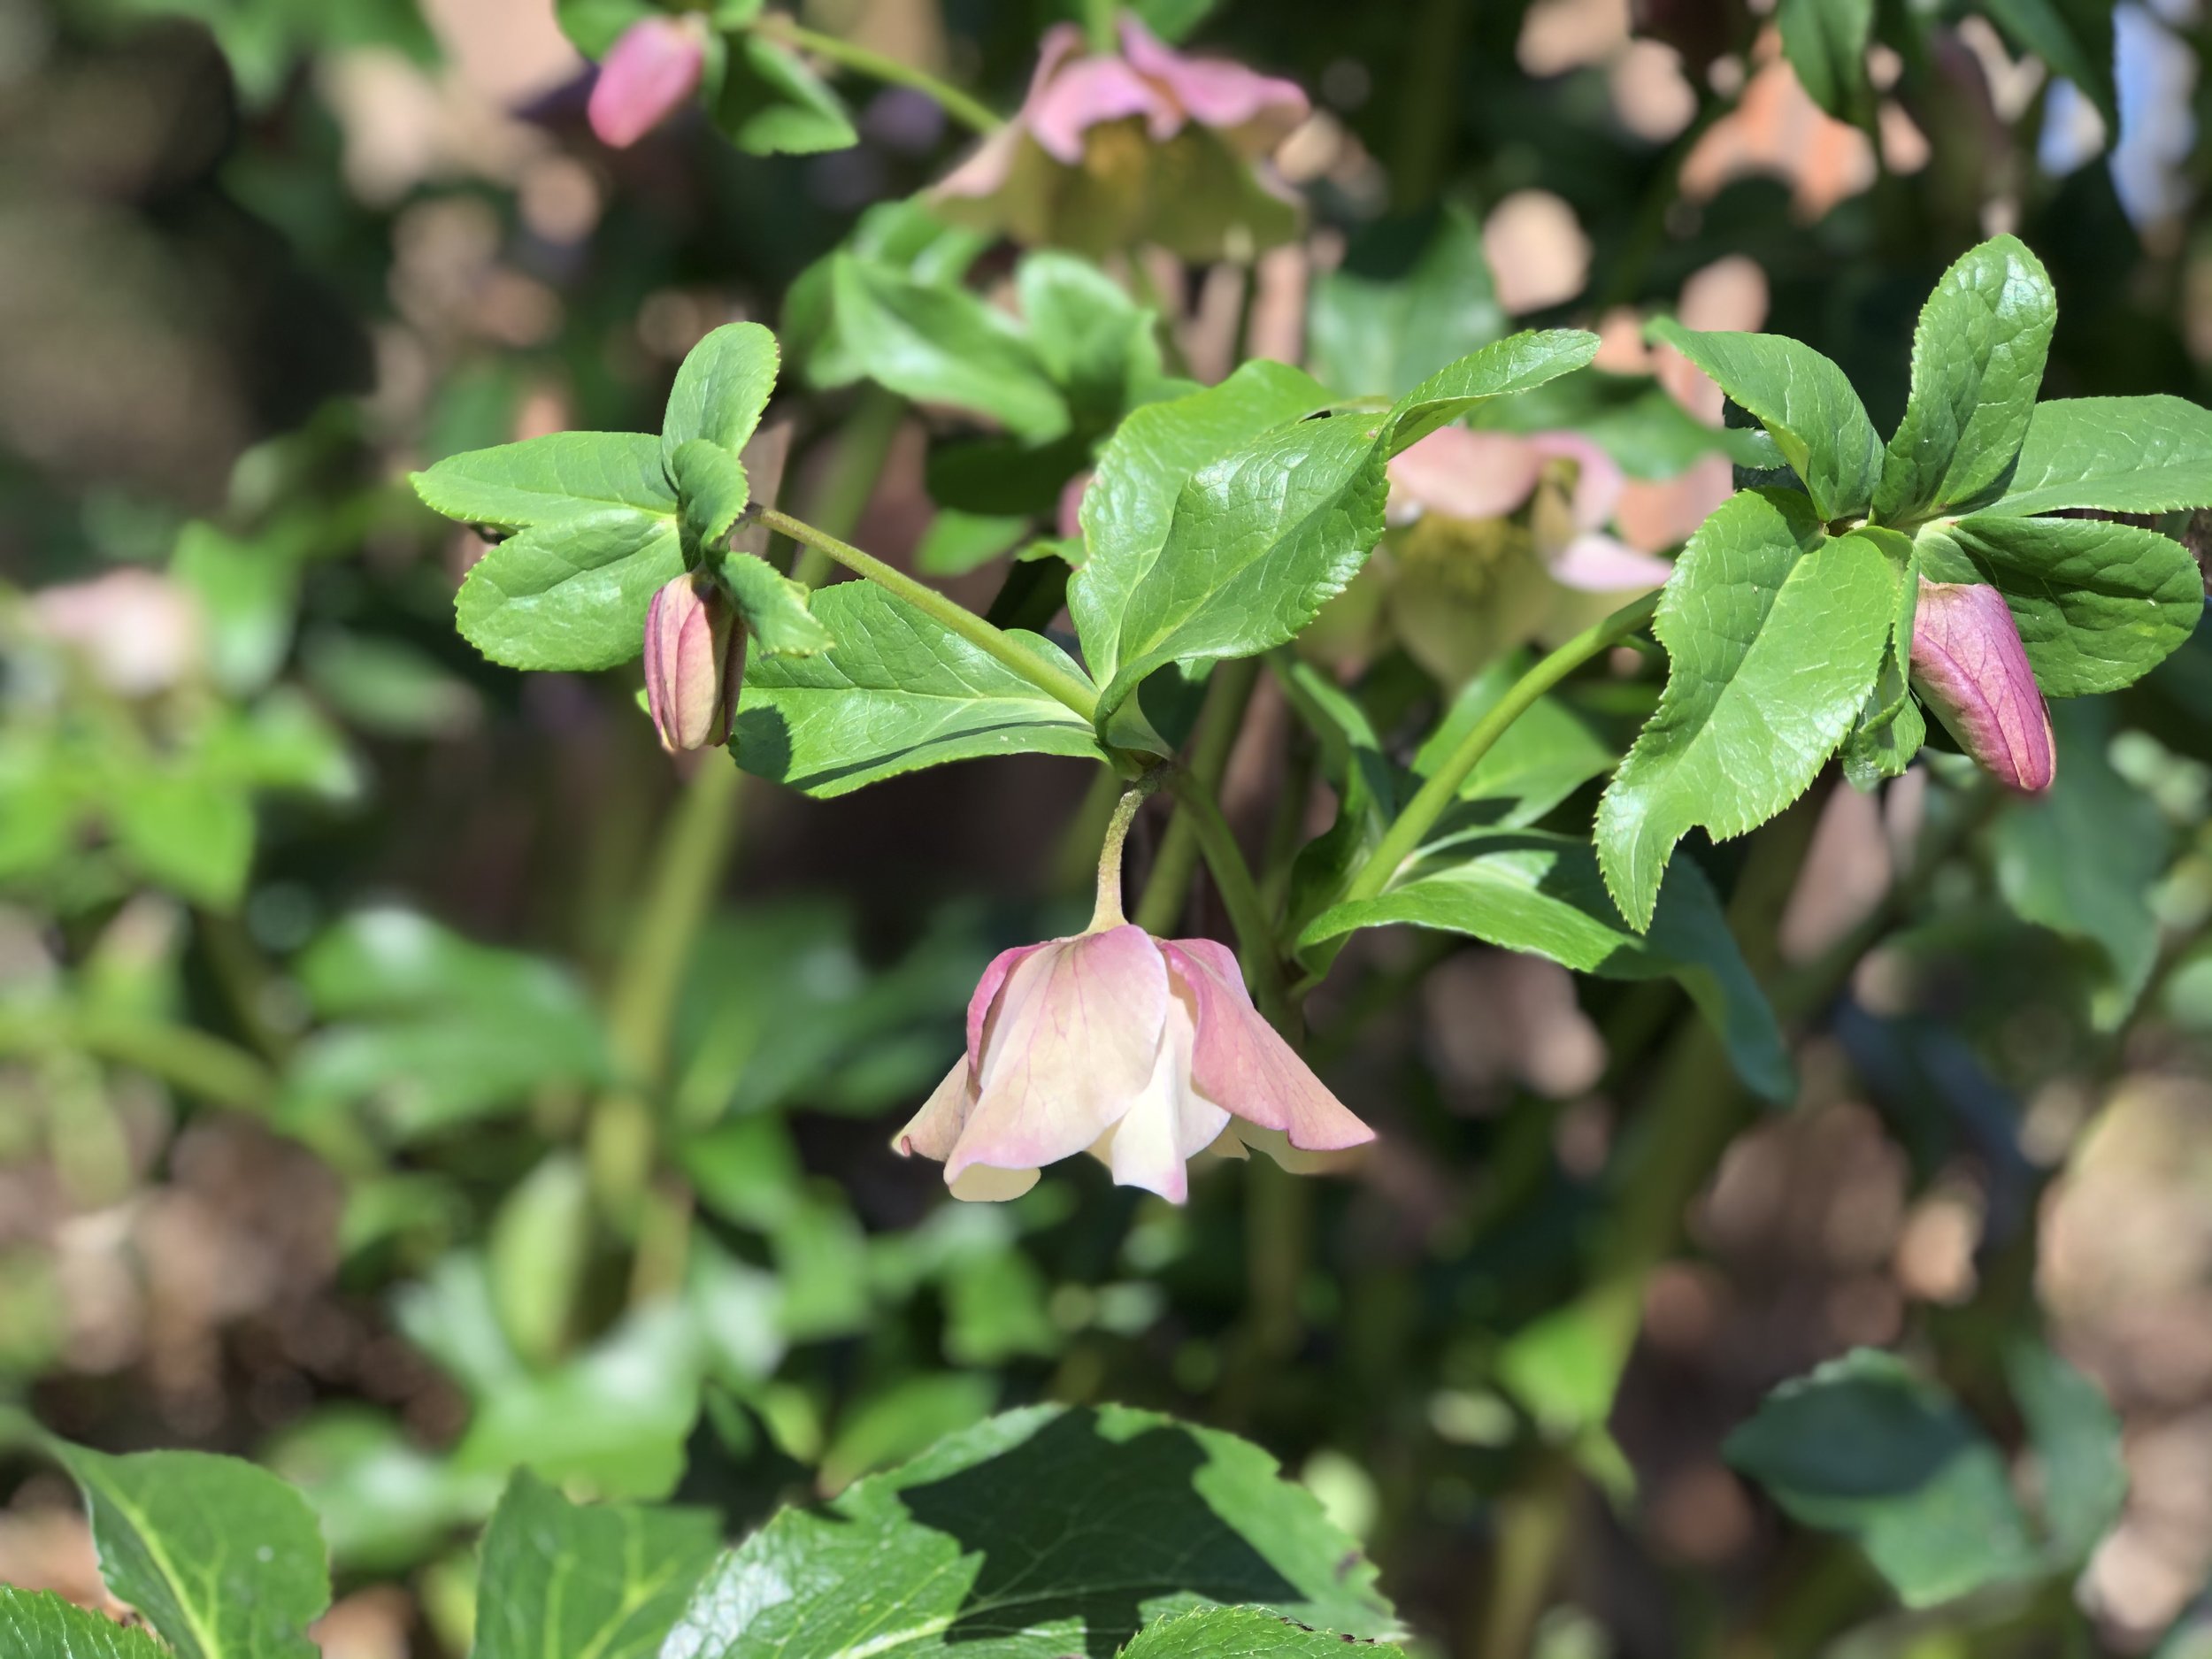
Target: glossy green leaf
point(1243, 1632)
point(1865, 1448)
point(778, 613)
point(1382, 322)
point(572, 593)
point(2098, 605)
point(710, 485)
point(721, 387)
point(957, 542)
point(1527, 890)
point(2082, 1471)
point(2114, 453)
point(223, 1559)
point(1978, 355)
point(1806, 404)
point(1037, 1534)
point(603, 1580)
point(1774, 632)
point(543, 481)
point(39, 1624)
point(897, 692)
point(1825, 42)
point(771, 104)
point(1519, 363)
point(944, 345)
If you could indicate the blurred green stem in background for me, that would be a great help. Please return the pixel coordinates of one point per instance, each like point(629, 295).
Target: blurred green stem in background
point(1098, 26)
point(846, 54)
point(1428, 105)
point(1240, 896)
point(1167, 886)
point(863, 442)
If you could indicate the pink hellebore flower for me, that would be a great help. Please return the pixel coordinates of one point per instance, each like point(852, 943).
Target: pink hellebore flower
point(1109, 151)
point(138, 632)
point(649, 74)
point(1141, 1051)
point(695, 662)
point(1969, 665)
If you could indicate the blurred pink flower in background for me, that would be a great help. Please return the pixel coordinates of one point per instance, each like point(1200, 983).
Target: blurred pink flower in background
point(1969, 665)
point(1149, 146)
point(1142, 1051)
point(649, 74)
point(138, 632)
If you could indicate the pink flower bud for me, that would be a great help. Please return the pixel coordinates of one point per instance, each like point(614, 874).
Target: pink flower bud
point(649, 74)
point(1970, 667)
point(695, 662)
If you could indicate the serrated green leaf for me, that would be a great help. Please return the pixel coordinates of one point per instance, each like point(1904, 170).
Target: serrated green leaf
point(39, 1624)
point(2098, 605)
point(711, 483)
point(1774, 632)
point(2113, 454)
point(721, 387)
point(1806, 404)
point(1977, 356)
point(2083, 1483)
point(1519, 363)
point(1530, 891)
point(1865, 1448)
point(605, 1580)
point(1129, 503)
point(543, 480)
point(1825, 42)
point(1243, 1632)
point(570, 593)
point(1381, 323)
point(2074, 40)
point(778, 611)
point(944, 345)
point(896, 692)
point(771, 104)
point(223, 1559)
point(1013, 1541)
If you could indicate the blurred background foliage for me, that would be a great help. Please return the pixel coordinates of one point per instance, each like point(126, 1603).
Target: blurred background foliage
point(316, 1054)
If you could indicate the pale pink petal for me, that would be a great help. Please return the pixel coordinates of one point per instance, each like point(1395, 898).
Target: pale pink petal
point(1597, 563)
point(1257, 111)
point(1069, 1044)
point(1655, 513)
point(1238, 1061)
point(1091, 91)
point(983, 172)
point(138, 632)
point(1168, 1124)
point(1466, 474)
point(650, 72)
point(1598, 477)
point(1970, 665)
point(932, 1130)
point(986, 989)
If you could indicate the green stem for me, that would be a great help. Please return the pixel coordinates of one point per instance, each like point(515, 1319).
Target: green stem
point(188, 1059)
point(1239, 895)
point(956, 618)
point(846, 54)
point(1218, 724)
point(1435, 796)
point(1106, 912)
point(1098, 27)
point(1427, 104)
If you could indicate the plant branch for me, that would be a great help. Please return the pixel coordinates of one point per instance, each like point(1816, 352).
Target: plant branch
point(180, 1055)
point(1218, 723)
point(966, 110)
point(956, 618)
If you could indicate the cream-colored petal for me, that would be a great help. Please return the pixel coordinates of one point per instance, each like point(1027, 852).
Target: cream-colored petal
point(1169, 1123)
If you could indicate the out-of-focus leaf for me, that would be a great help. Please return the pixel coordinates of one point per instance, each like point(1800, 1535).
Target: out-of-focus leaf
point(536, 1252)
point(2075, 1434)
point(1241, 1632)
point(1825, 42)
point(386, 687)
point(771, 104)
point(1396, 310)
point(957, 542)
point(384, 1504)
point(1543, 757)
point(902, 1420)
point(944, 345)
point(2073, 38)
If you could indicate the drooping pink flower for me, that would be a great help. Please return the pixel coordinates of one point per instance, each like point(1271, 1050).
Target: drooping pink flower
point(1969, 665)
point(695, 662)
point(1141, 1051)
point(1149, 146)
point(649, 74)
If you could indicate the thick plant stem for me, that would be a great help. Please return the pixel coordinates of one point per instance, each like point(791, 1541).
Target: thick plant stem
point(876, 66)
point(1098, 26)
point(1240, 896)
point(1218, 723)
point(1435, 796)
point(955, 618)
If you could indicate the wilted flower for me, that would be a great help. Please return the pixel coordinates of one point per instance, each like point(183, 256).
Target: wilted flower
point(1141, 1051)
point(1149, 146)
point(1969, 665)
point(138, 632)
point(1500, 540)
point(695, 662)
point(649, 74)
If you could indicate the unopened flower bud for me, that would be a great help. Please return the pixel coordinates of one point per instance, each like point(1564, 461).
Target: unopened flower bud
point(695, 662)
point(649, 74)
point(1970, 667)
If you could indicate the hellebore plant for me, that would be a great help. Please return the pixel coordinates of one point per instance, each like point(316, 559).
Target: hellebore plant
point(1143, 1052)
point(1969, 665)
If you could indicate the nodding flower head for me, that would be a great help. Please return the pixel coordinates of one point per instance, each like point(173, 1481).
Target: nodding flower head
point(649, 74)
point(1969, 665)
point(695, 662)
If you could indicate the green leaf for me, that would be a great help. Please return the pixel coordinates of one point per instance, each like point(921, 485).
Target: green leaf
point(1039, 1534)
point(1530, 891)
point(386, 1505)
point(1890, 728)
point(592, 27)
point(543, 481)
point(222, 1558)
point(771, 104)
point(944, 345)
point(1865, 1448)
point(189, 830)
point(1241, 1632)
point(1129, 503)
point(1806, 404)
point(778, 611)
point(1631, 417)
point(535, 1254)
point(897, 692)
point(2083, 1483)
point(1539, 761)
point(1774, 632)
point(1825, 43)
point(2074, 40)
point(904, 238)
point(2098, 605)
point(1097, 344)
point(571, 594)
point(957, 542)
point(1978, 355)
point(39, 1624)
point(603, 1581)
point(711, 483)
point(1382, 322)
point(2113, 454)
point(2082, 860)
point(1518, 363)
point(720, 390)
